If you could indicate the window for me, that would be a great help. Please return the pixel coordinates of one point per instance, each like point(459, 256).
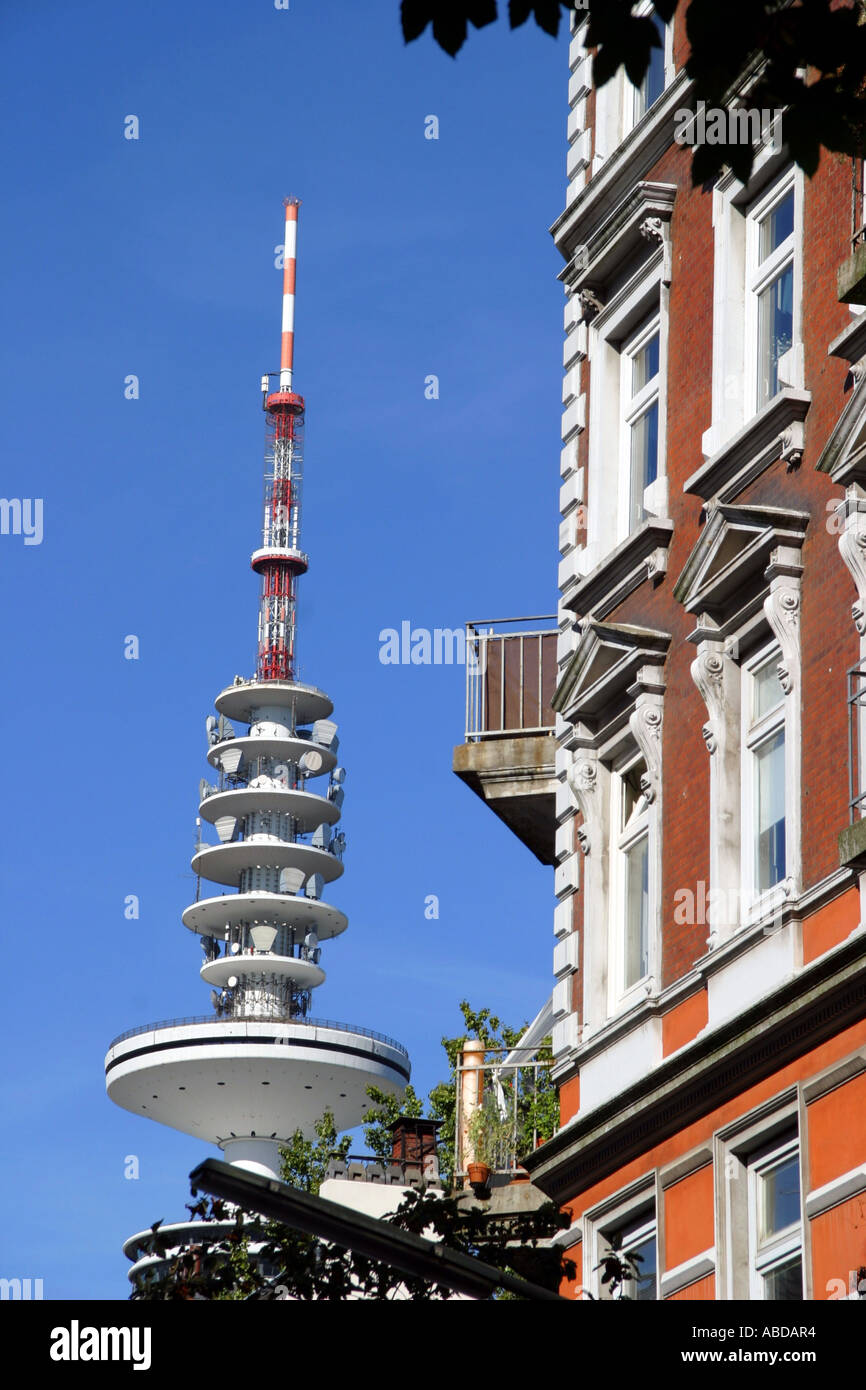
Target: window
point(775, 1223)
point(620, 106)
point(654, 80)
point(639, 394)
point(631, 913)
point(770, 251)
point(757, 328)
point(763, 810)
point(760, 1205)
point(614, 686)
point(635, 1236)
point(749, 675)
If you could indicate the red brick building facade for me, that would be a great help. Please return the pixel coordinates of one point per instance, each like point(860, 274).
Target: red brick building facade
point(710, 1005)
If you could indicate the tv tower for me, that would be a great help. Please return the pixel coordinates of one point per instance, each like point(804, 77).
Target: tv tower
point(256, 1069)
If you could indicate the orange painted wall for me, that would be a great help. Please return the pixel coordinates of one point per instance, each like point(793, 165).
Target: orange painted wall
point(703, 1290)
point(571, 1288)
point(681, 1024)
point(689, 1217)
point(838, 1245)
point(831, 925)
point(569, 1100)
point(837, 1131)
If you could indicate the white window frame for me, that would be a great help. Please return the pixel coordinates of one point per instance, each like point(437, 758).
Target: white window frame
point(768, 1255)
point(750, 1139)
point(634, 405)
point(633, 110)
point(616, 113)
point(622, 839)
point(760, 274)
point(637, 1206)
point(737, 210)
point(641, 301)
point(755, 732)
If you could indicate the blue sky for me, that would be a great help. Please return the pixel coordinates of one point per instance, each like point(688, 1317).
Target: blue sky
point(155, 257)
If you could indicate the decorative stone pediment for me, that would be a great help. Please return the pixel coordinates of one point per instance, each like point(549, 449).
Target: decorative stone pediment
point(732, 554)
point(642, 219)
point(611, 665)
point(844, 455)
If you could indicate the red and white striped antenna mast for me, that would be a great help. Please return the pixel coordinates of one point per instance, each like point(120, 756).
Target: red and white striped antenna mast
point(290, 260)
point(280, 560)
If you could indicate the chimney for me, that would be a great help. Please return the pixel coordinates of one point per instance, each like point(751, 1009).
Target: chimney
point(413, 1141)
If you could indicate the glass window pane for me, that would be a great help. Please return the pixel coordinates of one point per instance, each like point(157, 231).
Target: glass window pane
point(775, 331)
point(632, 803)
point(784, 1284)
point(644, 1287)
point(644, 461)
point(645, 364)
point(779, 1197)
point(770, 812)
point(777, 226)
point(654, 79)
point(637, 912)
point(768, 692)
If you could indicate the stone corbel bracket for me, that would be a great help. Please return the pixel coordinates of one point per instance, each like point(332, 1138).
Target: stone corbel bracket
point(658, 230)
point(645, 722)
point(782, 610)
point(582, 777)
point(852, 548)
point(708, 669)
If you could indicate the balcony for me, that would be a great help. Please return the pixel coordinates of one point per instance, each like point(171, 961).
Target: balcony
point(508, 755)
point(505, 1106)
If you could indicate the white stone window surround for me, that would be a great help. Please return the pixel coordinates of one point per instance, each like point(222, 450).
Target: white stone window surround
point(607, 507)
point(635, 1207)
point(616, 707)
point(756, 551)
point(737, 210)
point(724, 681)
point(738, 1147)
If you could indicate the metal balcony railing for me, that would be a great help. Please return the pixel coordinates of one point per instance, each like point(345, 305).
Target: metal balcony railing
point(510, 677)
point(224, 1022)
point(509, 1115)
